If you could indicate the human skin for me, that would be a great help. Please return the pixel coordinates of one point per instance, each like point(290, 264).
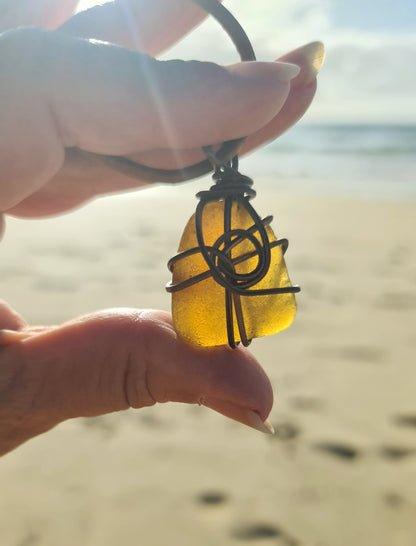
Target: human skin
point(65, 95)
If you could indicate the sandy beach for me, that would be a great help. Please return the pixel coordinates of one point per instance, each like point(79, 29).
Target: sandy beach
point(341, 469)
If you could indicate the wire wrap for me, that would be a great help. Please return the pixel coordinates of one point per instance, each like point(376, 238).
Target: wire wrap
point(232, 187)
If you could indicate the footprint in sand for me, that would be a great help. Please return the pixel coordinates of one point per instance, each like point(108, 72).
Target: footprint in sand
point(405, 420)
point(338, 450)
point(396, 453)
point(256, 531)
point(101, 424)
point(246, 531)
point(394, 500)
point(211, 498)
point(285, 431)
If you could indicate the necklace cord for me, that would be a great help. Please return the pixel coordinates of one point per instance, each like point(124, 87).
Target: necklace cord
point(226, 151)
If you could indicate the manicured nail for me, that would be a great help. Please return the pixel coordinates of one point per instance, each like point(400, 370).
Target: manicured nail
point(287, 71)
point(269, 426)
point(7, 337)
point(310, 58)
point(253, 420)
point(315, 53)
point(276, 71)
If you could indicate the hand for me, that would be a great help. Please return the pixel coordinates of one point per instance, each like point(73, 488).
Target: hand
point(65, 95)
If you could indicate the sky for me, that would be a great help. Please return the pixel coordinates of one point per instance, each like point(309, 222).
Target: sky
point(369, 74)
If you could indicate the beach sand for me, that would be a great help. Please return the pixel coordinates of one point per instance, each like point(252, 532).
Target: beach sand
point(341, 470)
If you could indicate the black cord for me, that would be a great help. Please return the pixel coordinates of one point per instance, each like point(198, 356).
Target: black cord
point(227, 150)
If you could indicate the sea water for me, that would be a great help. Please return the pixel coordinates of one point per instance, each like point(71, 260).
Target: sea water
point(358, 161)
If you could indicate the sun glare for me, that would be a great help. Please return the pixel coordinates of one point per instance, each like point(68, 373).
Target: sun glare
point(85, 4)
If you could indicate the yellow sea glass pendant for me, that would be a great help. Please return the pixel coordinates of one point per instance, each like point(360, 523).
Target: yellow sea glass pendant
point(229, 279)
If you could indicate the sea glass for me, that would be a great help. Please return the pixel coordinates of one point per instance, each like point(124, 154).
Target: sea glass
point(199, 311)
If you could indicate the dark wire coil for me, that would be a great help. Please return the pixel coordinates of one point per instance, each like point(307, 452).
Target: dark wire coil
point(232, 187)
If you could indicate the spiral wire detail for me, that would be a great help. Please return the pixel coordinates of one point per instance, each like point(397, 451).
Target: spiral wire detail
point(232, 187)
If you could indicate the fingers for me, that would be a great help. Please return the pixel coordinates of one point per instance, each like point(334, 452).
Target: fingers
point(65, 92)
point(12, 326)
point(117, 359)
point(143, 104)
point(82, 178)
point(46, 14)
point(150, 27)
point(309, 59)
point(10, 319)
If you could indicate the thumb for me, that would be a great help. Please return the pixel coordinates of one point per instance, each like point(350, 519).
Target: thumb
point(122, 358)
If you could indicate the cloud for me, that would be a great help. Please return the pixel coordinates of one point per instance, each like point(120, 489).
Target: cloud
point(368, 74)
point(368, 79)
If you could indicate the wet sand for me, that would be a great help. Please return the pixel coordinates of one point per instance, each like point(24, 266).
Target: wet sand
point(340, 471)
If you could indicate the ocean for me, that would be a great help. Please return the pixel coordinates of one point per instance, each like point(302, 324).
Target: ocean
point(358, 161)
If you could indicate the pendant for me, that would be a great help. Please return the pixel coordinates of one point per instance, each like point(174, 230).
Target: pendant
point(229, 279)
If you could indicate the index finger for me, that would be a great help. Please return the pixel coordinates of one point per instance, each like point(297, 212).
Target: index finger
point(47, 14)
point(147, 26)
point(66, 92)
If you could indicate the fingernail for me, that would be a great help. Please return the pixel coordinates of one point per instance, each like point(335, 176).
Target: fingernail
point(278, 71)
point(253, 420)
point(7, 337)
point(315, 54)
point(310, 58)
point(287, 71)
